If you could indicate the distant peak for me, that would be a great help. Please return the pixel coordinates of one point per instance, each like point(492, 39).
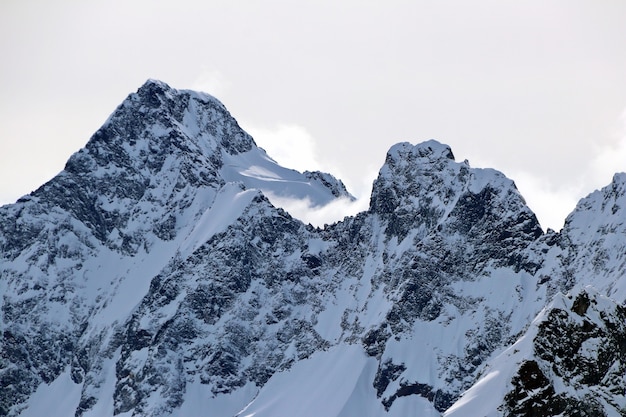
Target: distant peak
point(413, 175)
point(152, 92)
point(155, 93)
point(619, 178)
point(157, 83)
point(430, 149)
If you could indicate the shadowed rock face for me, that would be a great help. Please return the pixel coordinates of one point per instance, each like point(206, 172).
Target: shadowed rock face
point(144, 269)
point(584, 354)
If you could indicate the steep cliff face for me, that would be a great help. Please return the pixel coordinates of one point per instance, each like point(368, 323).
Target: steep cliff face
point(594, 235)
point(444, 272)
point(570, 361)
point(153, 277)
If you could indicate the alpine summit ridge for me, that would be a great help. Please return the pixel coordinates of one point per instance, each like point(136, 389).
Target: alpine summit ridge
point(154, 276)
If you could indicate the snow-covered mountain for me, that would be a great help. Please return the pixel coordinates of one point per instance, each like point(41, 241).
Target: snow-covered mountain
point(571, 360)
point(154, 277)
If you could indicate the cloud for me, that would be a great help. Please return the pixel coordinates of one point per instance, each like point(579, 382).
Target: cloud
point(553, 203)
point(550, 203)
point(610, 158)
point(292, 146)
point(318, 216)
point(211, 82)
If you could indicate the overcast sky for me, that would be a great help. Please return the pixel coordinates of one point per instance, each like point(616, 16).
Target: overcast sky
point(535, 89)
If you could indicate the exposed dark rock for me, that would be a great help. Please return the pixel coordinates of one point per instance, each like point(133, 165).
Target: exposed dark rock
point(386, 373)
point(581, 304)
point(441, 400)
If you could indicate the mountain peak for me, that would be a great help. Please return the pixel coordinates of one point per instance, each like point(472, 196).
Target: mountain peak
point(160, 113)
point(152, 83)
point(166, 148)
point(154, 92)
point(157, 83)
point(429, 150)
point(411, 172)
point(421, 188)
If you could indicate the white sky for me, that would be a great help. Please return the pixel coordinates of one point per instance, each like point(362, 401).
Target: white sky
point(536, 89)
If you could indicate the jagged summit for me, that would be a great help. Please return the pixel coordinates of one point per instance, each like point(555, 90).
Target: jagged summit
point(410, 172)
point(193, 120)
point(166, 148)
point(422, 186)
point(430, 149)
point(154, 92)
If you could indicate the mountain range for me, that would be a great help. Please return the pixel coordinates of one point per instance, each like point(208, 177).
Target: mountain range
point(154, 276)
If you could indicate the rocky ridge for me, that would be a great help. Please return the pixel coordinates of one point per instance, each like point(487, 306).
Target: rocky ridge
point(153, 276)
